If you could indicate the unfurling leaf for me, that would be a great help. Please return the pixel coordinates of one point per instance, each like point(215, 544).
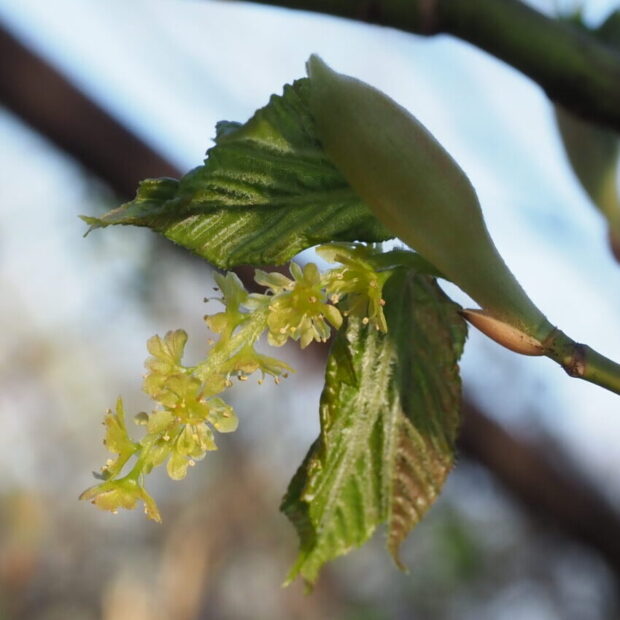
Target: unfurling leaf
point(266, 192)
point(389, 418)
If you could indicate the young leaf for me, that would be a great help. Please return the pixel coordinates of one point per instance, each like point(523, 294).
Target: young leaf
point(389, 417)
point(265, 192)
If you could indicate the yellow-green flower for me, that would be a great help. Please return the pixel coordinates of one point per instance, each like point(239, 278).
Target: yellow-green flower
point(298, 308)
point(356, 286)
point(234, 297)
point(166, 357)
point(117, 440)
point(248, 361)
point(124, 493)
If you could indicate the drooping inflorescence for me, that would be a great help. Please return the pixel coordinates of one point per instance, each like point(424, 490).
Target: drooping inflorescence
point(180, 429)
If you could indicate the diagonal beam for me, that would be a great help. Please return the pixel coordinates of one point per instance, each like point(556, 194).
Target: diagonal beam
point(45, 100)
point(545, 481)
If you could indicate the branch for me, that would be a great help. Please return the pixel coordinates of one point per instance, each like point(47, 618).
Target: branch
point(545, 481)
point(571, 66)
point(37, 93)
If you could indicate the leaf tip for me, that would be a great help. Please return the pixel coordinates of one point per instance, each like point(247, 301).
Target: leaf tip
point(93, 223)
point(393, 547)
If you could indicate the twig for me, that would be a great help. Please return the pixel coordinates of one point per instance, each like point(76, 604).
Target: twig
point(582, 362)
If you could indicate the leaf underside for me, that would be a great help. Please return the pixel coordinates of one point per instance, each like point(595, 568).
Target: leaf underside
point(389, 418)
point(265, 192)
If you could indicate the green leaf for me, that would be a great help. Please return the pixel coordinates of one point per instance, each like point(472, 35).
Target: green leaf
point(266, 192)
point(389, 418)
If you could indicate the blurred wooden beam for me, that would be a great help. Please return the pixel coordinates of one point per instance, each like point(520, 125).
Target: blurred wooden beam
point(545, 484)
point(37, 93)
point(546, 481)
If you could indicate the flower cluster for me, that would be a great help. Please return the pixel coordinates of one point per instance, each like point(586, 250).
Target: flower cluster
point(357, 286)
point(189, 408)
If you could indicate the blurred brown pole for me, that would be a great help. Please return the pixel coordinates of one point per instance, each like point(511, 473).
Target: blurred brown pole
point(43, 98)
point(545, 481)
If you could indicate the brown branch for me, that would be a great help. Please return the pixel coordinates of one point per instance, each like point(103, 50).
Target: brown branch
point(573, 67)
point(546, 482)
point(45, 100)
point(101, 144)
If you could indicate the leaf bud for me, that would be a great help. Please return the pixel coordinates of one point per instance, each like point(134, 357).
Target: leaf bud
point(503, 333)
point(414, 187)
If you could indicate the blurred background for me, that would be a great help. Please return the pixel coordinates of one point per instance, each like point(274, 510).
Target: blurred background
point(94, 97)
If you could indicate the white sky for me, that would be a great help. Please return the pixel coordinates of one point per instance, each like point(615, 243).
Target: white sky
point(170, 70)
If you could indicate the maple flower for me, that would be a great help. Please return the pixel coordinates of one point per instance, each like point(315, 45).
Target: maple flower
point(357, 286)
point(234, 297)
point(298, 308)
point(248, 361)
point(123, 493)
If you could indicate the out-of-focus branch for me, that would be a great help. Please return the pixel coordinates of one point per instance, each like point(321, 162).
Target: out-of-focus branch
point(44, 99)
point(548, 484)
point(572, 67)
point(99, 142)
